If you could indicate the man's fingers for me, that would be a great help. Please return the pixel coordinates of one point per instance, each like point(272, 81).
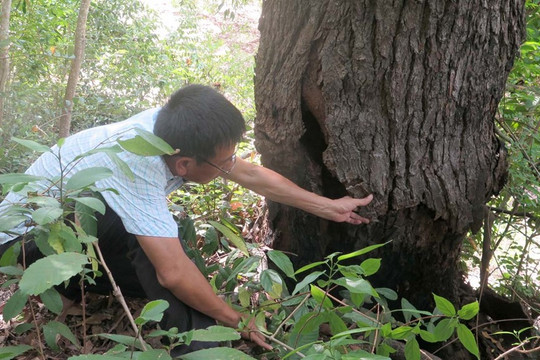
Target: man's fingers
point(259, 340)
point(365, 201)
point(356, 219)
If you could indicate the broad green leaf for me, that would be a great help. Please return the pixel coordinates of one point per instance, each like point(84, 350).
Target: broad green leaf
point(46, 215)
point(153, 311)
point(320, 296)
point(50, 271)
point(467, 312)
point(9, 222)
point(231, 236)
point(272, 283)
point(123, 339)
point(355, 331)
point(217, 353)
point(32, 145)
point(361, 251)
point(44, 201)
point(11, 270)
point(409, 310)
point(467, 339)
point(146, 143)
point(86, 218)
point(52, 300)
point(92, 203)
point(282, 261)
point(115, 149)
point(216, 333)
point(401, 333)
point(358, 286)
point(307, 280)
point(122, 165)
point(427, 336)
point(444, 306)
point(16, 178)
point(154, 354)
point(53, 328)
point(11, 352)
point(14, 305)
point(371, 266)
point(337, 325)
point(309, 266)
point(87, 177)
point(21, 329)
point(96, 357)
point(444, 329)
point(244, 296)
point(412, 350)
point(363, 355)
point(387, 293)
point(244, 266)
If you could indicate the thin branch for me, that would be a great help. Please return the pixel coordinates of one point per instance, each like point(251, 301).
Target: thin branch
point(528, 214)
point(515, 348)
point(118, 294)
point(290, 315)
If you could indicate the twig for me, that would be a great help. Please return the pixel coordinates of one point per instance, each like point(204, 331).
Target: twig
point(514, 212)
point(37, 329)
point(376, 337)
point(118, 294)
point(515, 348)
point(290, 316)
point(354, 310)
point(272, 338)
point(83, 304)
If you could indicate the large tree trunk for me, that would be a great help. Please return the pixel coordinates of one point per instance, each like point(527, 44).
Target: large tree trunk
point(64, 122)
point(394, 98)
point(4, 53)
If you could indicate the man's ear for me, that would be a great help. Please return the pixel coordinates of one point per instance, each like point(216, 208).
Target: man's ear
point(182, 165)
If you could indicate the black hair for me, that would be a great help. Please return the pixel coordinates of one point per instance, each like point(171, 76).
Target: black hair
point(197, 120)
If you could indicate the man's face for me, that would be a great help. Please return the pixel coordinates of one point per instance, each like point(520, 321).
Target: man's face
point(208, 169)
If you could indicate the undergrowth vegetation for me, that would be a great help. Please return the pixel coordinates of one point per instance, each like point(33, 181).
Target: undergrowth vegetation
point(132, 64)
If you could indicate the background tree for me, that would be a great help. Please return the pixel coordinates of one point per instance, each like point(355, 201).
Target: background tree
point(64, 123)
point(394, 99)
point(4, 52)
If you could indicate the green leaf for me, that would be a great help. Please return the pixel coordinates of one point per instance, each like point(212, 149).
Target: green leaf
point(217, 353)
point(21, 329)
point(52, 300)
point(92, 203)
point(361, 251)
point(467, 312)
point(307, 280)
point(337, 325)
point(153, 311)
point(16, 178)
point(146, 144)
point(123, 339)
point(154, 354)
point(50, 271)
point(357, 286)
point(358, 330)
point(86, 218)
point(14, 305)
point(412, 350)
point(54, 328)
point(11, 352)
point(96, 357)
point(122, 165)
point(87, 177)
point(32, 145)
point(309, 266)
point(231, 236)
point(272, 283)
point(444, 329)
point(401, 333)
point(11, 270)
point(467, 339)
point(9, 222)
point(216, 333)
point(320, 296)
point(427, 336)
point(44, 201)
point(409, 310)
point(46, 215)
point(444, 306)
point(387, 293)
point(282, 261)
point(371, 266)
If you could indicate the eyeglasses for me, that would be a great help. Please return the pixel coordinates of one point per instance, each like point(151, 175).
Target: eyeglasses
point(232, 160)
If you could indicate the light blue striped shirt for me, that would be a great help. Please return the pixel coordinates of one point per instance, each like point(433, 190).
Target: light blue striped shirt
point(141, 203)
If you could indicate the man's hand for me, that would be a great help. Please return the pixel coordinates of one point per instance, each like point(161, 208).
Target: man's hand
point(343, 210)
point(251, 333)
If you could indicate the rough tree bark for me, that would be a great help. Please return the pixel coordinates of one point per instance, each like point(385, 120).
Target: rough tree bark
point(394, 98)
point(64, 122)
point(4, 53)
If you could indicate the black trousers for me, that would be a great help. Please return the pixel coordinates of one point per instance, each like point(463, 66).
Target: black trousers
point(134, 274)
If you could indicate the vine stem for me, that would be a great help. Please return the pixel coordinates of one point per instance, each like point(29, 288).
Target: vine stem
point(118, 294)
point(515, 348)
point(290, 316)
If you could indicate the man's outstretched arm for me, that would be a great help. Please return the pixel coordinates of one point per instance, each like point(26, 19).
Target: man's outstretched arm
point(179, 275)
point(278, 188)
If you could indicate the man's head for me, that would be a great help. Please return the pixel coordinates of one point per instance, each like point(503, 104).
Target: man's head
point(203, 125)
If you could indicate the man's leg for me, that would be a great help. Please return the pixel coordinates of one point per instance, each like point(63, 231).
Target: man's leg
point(136, 276)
